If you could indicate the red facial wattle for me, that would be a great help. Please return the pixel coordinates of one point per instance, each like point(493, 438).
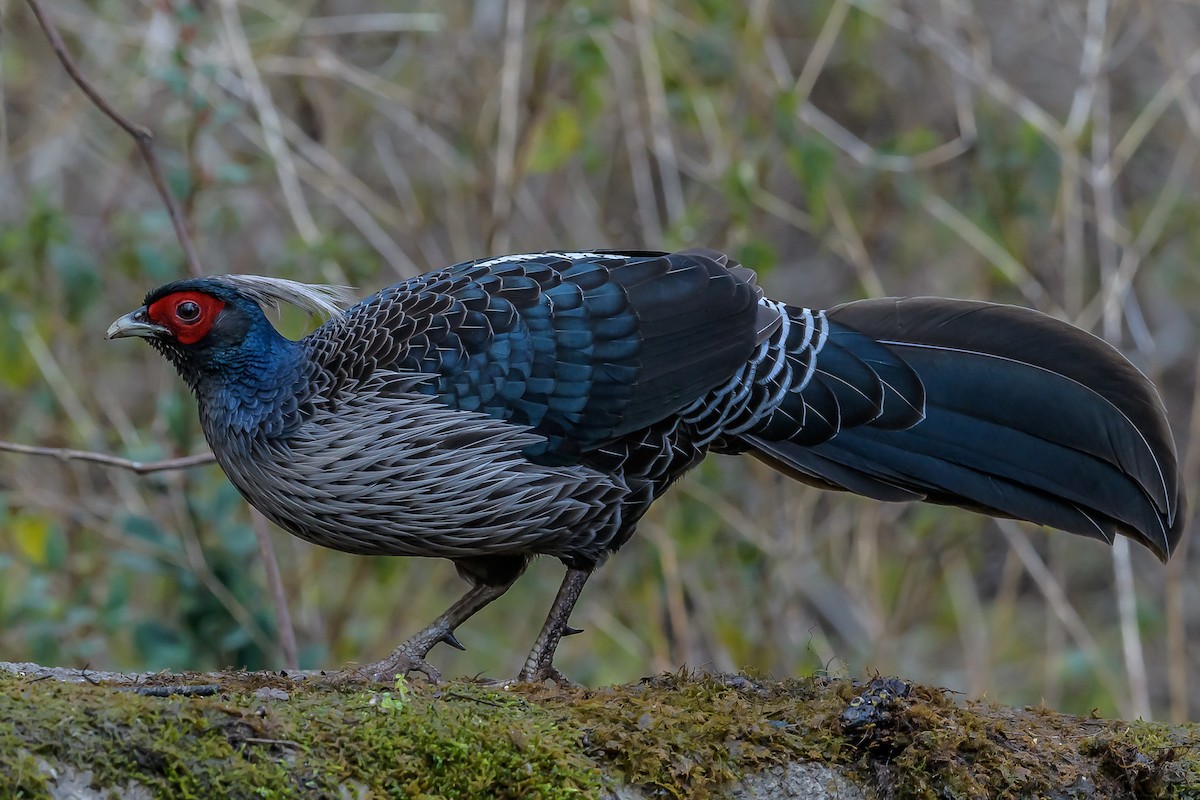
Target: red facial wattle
point(188, 315)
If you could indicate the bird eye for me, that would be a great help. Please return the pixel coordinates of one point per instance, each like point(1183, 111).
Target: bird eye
point(188, 311)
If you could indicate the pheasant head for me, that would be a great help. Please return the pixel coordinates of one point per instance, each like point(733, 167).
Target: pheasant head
point(213, 330)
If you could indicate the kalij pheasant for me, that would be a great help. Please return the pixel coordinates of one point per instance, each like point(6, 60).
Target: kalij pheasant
point(536, 404)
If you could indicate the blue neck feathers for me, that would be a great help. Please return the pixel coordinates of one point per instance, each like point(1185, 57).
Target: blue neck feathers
point(251, 387)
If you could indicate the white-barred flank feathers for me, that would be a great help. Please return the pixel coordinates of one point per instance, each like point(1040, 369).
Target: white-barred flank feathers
point(315, 298)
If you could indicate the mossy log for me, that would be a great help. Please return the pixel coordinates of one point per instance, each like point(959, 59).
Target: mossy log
point(78, 734)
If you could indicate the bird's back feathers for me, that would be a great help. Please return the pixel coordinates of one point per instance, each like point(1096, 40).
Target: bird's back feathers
point(583, 348)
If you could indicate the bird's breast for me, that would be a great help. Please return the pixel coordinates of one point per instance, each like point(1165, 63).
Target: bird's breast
point(386, 474)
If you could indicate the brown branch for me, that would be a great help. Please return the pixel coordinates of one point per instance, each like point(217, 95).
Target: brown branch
point(140, 467)
point(141, 135)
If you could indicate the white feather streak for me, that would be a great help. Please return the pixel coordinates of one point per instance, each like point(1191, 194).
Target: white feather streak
point(321, 299)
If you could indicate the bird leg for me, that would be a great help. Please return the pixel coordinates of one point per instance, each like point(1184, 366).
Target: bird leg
point(410, 656)
point(539, 665)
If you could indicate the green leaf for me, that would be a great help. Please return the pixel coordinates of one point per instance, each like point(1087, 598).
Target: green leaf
point(757, 254)
point(812, 161)
point(138, 562)
point(17, 368)
point(156, 264)
point(232, 174)
point(555, 141)
point(158, 646)
point(79, 275)
point(31, 534)
point(142, 528)
point(179, 179)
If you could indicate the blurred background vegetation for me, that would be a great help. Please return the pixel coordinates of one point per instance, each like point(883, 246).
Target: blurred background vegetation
point(1041, 152)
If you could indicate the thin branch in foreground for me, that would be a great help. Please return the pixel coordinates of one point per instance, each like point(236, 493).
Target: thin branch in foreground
point(141, 135)
point(194, 690)
point(139, 467)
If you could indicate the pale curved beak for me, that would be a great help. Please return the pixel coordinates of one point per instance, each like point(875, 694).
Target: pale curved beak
point(135, 323)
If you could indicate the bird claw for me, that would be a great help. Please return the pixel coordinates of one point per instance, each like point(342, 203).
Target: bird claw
point(547, 672)
point(536, 676)
point(398, 664)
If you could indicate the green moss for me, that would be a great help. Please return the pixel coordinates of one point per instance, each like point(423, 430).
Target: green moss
point(462, 743)
point(1148, 760)
point(685, 736)
point(681, 736)
point(20, 768)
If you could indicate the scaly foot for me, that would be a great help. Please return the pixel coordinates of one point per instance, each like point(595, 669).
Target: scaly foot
point(410, 656)
point(405, 659)
point(548, 672)
point(539, 666)
point(399, 663)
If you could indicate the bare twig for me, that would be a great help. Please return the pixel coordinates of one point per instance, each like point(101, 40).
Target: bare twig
point(1131, 636)
point(1089, 68)
point(635, 139)
point(141, 135)
point(1148, 235)
point(815, 584)
point(971, 619)
point(776, 206)
point(1179, 585)
point(851, 144)
point(1170, 94)
point(197, 562)
point(1016, 272)
point(868, 156)
point(372, 23)
point(819, 54)
point(656, 108)
point(191, 690)
point(677, 611)
point(972, 67)
point(54, 375)
point(506, 138)
point(1071, 204)
point(388, 98)
point(139, 467)
point(269, 119)
point(1052, 590)
point(852, 242)
point(287, 633)
point(1092, 101)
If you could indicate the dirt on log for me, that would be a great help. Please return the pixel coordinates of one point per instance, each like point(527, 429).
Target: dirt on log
point(79, 734)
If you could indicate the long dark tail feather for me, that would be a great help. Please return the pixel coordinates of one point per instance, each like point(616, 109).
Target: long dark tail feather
point(1024, 416)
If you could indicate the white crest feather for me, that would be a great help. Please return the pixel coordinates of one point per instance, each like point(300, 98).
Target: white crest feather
point(315, 298)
